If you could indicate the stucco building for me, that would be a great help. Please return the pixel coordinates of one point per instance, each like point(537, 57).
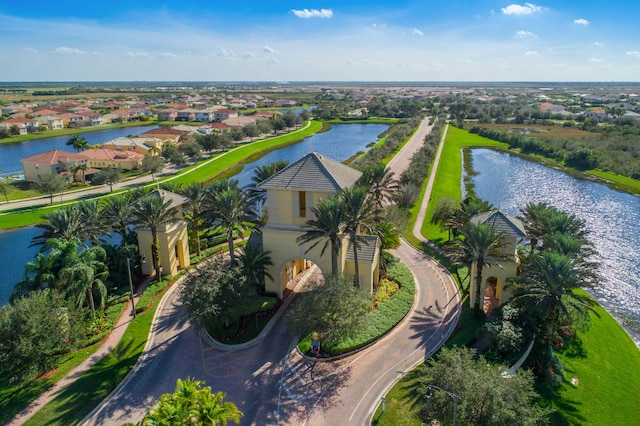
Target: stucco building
point(291, 195)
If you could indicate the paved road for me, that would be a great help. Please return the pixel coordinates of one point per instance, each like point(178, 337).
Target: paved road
point(269, 381)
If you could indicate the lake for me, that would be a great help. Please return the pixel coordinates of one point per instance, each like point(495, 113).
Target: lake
point(339, 143)
point(612, 218)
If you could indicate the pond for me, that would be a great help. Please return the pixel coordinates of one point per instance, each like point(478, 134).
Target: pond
point(612, 218)
point(339, 143)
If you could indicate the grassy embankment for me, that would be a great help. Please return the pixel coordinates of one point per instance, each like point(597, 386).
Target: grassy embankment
point(203, 171)
point(604, 359)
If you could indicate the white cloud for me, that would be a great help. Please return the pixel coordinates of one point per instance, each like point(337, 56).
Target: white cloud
point(525, 34)
point(69, 51)
point(517, 9)
point(633, 53)
point(313, 13)
point(30, 50)
point(224, 53)
point(168, 55)
point(137, 54)
point(273, 61)
point(417, 32)
point(598, 44)
point(530, 53)
point(596, 60)
point(268, 49)
point(581, 22)
point(248, 55)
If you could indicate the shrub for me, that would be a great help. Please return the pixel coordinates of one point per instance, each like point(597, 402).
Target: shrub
point(386, 289)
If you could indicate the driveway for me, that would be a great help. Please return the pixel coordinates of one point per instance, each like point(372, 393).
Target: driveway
point(269, 381)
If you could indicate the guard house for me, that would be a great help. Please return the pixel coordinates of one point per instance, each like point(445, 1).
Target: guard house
point(173, 243)
point(291, 194)
point(506, 261)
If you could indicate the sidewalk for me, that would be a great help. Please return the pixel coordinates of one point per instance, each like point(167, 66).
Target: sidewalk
point(109, 344)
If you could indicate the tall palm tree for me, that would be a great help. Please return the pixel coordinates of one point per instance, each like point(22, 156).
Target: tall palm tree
point(63, 223)
point(533, 217)
point(193, 210)
point(443, 214)
point(380, 183)
point(230, 208)
point(152, 211)
point(118, 212)
point(548, 288)
point(327, 227)
point(92, 221)
point(86, 272)
point(477, 243)
point(469, 207)
point(254, 263)
point(79, 143)
point(360, 211)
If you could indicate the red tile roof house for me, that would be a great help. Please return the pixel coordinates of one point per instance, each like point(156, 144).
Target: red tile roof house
point(101, 158)
point(165, 133)
point(598, 114)
point(24, 125)
point(51, 162)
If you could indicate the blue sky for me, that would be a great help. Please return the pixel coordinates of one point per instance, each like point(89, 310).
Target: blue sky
point(402, 40)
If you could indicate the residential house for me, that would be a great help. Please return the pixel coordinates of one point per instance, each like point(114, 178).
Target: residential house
point(24, 125)
point(51, 162)
point(598, 114)
point(267, 103)
point(291, 195)
point(285, 103)
point(173, 243)
point(165, 133)
point(505, 261)
point(144, 146)
point(187, 114)
point(53, 122)
point(169, 114)
point(204, 115)
point(240, 121)
point(102, 158)
point(223, 114)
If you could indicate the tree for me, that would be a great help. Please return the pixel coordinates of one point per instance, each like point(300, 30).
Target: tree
point(109, 176)
point(34, 332)
point(5, 189)
point(484, 396)
point(192, 404)
point(327, 228)
point(118, 213)
point(380, 183)
point(443, 214)
point(335, 308)
point(549, 289)
point(359, 212)
point(254, 263)
point(476, 244)
point(91, 220)
point(85, 272)
point(193, 210)
point(260, 174)
point(213, 293)
point(230, 208)
point(63, 224)
point(152, 164)
point(152, 211)
point(79, 143)
point(191, 149)
point(51, 184)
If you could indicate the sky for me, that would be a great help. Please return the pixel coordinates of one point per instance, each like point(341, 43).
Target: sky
point(371, 40)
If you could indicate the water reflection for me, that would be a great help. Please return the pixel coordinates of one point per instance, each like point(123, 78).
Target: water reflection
point(509, 182)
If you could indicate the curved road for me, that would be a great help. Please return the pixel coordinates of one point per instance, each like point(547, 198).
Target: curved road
point(269, 381)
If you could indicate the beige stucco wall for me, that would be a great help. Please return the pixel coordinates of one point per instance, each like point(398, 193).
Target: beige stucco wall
point(173, 247)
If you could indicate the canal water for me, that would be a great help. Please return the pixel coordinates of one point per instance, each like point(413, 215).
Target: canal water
point(339, 143)
point(12, 153)
point(612, 218)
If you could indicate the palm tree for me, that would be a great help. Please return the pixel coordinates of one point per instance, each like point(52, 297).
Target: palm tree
point(469, 207)
point(118, 212)
point(152, 211)
point(359, 212)
point(443, 214)
point(230, 208)
point(380, 183)
point(476, 244)
point(548, 288)
point(63, 223)
point(193, 210)
point(533, 216)
point(85, 273)
point(79, 143)
point(92, 221)
point(328, 226)
point(254, 263)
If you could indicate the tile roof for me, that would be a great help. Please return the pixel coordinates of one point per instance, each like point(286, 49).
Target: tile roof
point(54, 156)
point(112, 154)
point(164, 131)
point(367, 250)
point(313, 172)
point(502, 222)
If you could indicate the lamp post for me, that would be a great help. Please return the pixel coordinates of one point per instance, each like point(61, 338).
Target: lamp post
point(133, 306)
point(454, 396)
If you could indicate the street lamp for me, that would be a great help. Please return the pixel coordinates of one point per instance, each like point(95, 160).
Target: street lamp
point(451, 394)
point(143, 259)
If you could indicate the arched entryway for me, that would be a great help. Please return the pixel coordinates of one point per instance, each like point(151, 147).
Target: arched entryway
point(492, 290)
